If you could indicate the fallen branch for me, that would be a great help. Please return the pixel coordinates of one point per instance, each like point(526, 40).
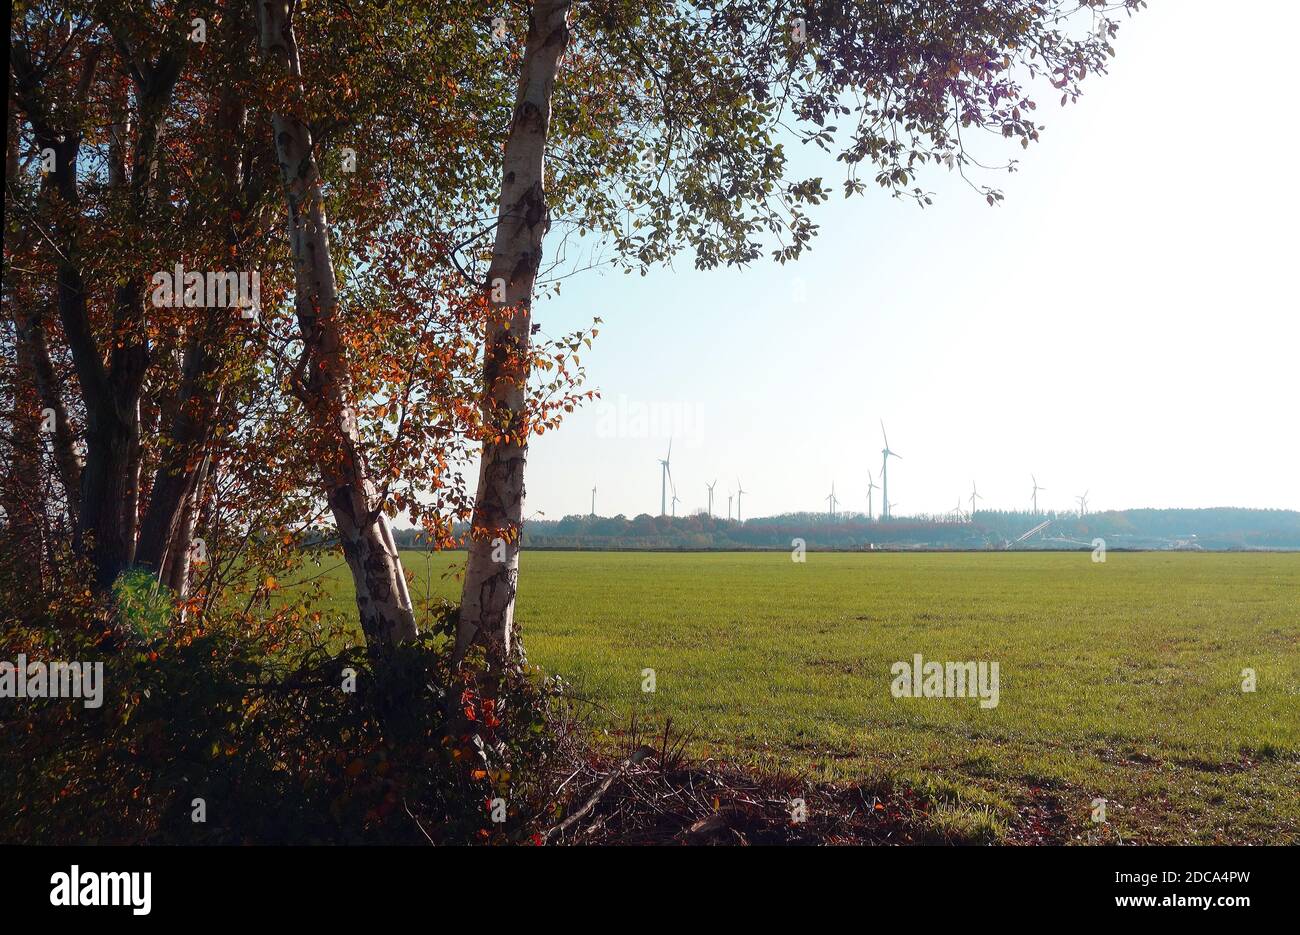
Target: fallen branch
point(639, 754)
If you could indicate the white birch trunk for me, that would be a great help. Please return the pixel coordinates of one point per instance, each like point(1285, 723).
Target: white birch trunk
point(492, 573)
point(387, 617)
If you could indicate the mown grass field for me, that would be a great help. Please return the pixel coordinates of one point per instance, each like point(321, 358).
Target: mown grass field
point(1120, 680)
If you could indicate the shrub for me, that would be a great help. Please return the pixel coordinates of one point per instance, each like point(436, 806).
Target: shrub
point(257, 722)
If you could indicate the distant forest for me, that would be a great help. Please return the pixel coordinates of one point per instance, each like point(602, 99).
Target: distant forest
point(1225, 528)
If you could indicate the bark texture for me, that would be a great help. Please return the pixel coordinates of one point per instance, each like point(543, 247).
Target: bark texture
point(492, 573)
point(387, 617)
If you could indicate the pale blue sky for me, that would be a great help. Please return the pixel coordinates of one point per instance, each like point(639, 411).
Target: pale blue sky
point(1125, 323)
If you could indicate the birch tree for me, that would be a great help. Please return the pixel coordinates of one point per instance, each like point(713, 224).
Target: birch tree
point(383, 600)
point(671, 122)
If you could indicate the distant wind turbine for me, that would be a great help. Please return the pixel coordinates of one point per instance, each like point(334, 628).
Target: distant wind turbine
point(593, 499)
point(740, 492)
point(730, 497)
point(974, 495)
point(711, 486)
point(675, 499)
point(665, 473)
point(831, 500)
point(1083, 502)
point(871, 485)
point(886, 454)
point(1036, 489)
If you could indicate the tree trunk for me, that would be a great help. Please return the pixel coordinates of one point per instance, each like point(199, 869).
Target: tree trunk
point(106, 522)
point(111, 397)
point(175, 571)
point(31, 332)
point(492, 573)
point(163, 528)
point(34, 351)
point(387, 617)
point(167, 528)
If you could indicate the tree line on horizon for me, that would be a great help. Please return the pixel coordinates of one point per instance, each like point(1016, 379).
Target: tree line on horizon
point(1209, 528)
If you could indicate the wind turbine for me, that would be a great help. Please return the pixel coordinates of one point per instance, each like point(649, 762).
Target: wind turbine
point(593, 499)
point(675, 499)
point(740, 492)
point(730, 497)
point(831, 500)
point(886, 454)
point(871, 485)
point(974, 495)
point(665, 473)
point(711, 486)
point(957, 512)
point(1083, 503)
point(1036, 489)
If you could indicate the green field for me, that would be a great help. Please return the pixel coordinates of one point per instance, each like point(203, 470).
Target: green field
point(1120, 680)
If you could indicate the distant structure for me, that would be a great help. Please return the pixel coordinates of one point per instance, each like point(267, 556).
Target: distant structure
point(665, 473)
point(1036, 489)
point(675, 499)
point(711, 486)
point(730, 497)
point(593, 499)
point(740, 492)
point(1083, 503)
point(1037, 529)
point(886, 454)
point(871, 485)
point(831, 501)
point(974, 495)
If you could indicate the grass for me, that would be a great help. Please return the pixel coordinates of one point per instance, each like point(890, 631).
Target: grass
point(1120, 680)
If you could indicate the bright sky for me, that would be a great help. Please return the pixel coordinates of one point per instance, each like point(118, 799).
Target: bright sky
point(1125, 323)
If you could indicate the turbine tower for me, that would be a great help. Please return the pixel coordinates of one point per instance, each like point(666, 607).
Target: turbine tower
point(1036, 489)
point(675, 499)
point(711, 486)
point(871, 485)
point(593, 499)
point(974, 495)
point(886, 454)
point(740, 492)
point(831, 500)
point(1083, 503)
point(730, 497)
point(665, 472)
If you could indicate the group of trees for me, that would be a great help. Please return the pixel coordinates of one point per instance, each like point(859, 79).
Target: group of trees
point(1227, 528)
point(401, 183)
